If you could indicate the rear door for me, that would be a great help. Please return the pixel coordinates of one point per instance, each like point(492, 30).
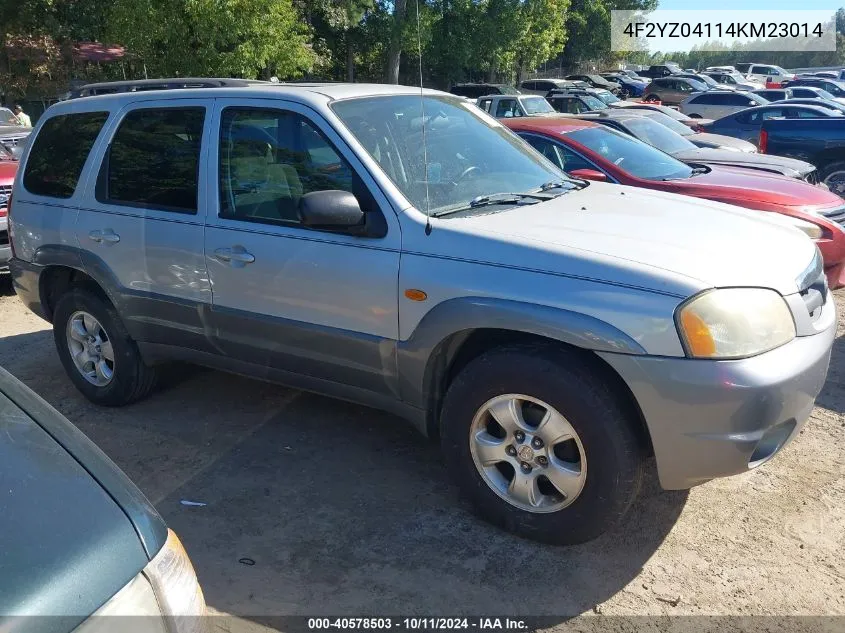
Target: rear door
point(288, 297)
point(140, 221)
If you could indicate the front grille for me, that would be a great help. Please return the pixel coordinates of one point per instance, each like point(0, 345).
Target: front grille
point(812, 177)
point(835, 215)
point(12, 141)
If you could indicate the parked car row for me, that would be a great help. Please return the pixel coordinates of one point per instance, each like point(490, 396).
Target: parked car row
point(549, 330)
point(746, 185)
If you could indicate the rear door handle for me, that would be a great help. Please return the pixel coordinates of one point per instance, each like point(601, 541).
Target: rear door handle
point(237, 256)
point(106, 235)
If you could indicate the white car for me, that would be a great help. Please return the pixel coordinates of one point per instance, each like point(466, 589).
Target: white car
point(714, 104)
point(767, 74)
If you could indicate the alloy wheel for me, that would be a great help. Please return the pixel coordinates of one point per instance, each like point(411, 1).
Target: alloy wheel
point(528, 453)
point(90, 348)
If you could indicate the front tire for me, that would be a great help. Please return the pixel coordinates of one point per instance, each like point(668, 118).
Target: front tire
point(651, 99)
point(99, 356)
point(541, 444)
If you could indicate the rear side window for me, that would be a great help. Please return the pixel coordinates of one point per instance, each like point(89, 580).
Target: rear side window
point(153, 160)
point(59, 152)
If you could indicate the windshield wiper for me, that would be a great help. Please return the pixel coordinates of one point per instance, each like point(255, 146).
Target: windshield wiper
point(696, 171)
point(496, 198)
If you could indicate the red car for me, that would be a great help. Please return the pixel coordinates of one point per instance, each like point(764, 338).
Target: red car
point(593, 152)
point(8, 168)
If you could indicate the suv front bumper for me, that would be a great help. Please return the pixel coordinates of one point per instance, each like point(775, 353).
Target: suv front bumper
point(711, 419)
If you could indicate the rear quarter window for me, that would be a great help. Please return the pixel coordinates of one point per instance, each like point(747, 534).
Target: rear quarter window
point(59, 152)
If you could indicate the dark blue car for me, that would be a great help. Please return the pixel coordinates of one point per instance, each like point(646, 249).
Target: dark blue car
point(627, 87)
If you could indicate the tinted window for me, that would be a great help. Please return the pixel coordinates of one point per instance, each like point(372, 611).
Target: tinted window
point(704, 99)
point(546, 148)
point(507, 108)
point(531, 85)
point(153, 160)
point(737, 100)
point(59, 152)
point(269, 159)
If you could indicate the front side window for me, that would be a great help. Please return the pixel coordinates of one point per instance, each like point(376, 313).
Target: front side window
point(467, 154)
point(507, 108)
point(59, 151)
point(153, 160)
point(631, 155)
point(270, 158)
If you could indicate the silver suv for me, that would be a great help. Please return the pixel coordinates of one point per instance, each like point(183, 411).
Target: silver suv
point(406, 251)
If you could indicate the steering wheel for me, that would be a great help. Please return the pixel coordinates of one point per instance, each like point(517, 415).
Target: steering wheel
point(472, 169)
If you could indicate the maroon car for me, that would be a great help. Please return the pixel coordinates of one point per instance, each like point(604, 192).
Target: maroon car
point(594, 152)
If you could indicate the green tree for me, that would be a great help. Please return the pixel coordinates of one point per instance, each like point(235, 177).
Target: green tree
point(228, 38)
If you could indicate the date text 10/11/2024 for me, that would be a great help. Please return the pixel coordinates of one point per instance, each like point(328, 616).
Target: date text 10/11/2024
point(419, 623)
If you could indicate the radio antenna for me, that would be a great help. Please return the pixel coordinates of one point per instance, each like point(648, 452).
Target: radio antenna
point(424, 144)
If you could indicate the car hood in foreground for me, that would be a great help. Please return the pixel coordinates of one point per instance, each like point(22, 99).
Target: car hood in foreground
point(787, 166)
point(647, 239)
point(706, 139)
point(66, 546)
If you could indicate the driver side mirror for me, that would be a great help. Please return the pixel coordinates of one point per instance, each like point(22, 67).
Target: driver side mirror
point(588, 174)
point(332, 210)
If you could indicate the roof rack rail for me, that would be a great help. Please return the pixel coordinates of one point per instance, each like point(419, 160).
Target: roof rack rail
point(171, 83)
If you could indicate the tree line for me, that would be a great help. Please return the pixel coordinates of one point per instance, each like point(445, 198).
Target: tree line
point(351, 40)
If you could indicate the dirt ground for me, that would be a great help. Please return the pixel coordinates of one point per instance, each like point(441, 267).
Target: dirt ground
point(347, 511)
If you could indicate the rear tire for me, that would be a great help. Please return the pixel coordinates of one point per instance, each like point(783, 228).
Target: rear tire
point(833, 176)
point(563, 382)
point(651, 98)
point(111, 371)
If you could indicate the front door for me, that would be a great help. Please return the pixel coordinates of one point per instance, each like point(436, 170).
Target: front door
point(288, 297)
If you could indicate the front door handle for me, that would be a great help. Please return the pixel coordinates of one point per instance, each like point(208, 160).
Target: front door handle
point(237, 256)
point(106, 235)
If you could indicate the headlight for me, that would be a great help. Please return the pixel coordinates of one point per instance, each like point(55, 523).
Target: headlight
point(813, 231)
point(734, 323)
point(177, 589)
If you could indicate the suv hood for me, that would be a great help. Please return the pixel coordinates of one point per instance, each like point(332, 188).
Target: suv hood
point(706, 139)
point(780, 164)
point(623, 235)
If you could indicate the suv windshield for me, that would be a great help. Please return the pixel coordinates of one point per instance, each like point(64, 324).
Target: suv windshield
point(468, 154)
point(606, 96)
point(658, 135)
point(594, 102)
point(536, 105)
point(631, 155)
